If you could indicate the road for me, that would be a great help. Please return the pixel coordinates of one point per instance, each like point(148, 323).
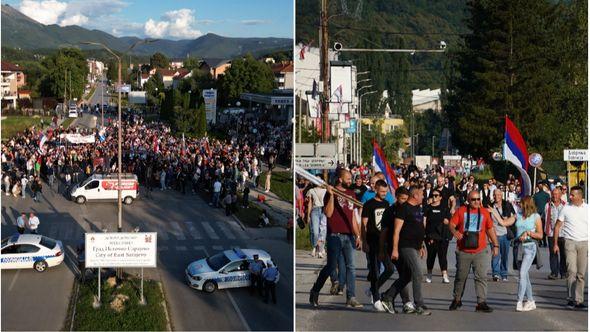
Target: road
point(332, 314)
point(188, 229)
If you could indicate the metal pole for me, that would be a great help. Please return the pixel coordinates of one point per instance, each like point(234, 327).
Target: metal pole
point(412, 135)
point(141, 298)
point(65, 90)
point(360, 140)
point(300, 117)
point(432, 147)
point(324, 76)
point(102, 101)
point(119, 166)
point(534, 180)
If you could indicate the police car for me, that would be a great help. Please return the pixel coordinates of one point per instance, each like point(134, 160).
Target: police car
point(227, 269)
point(25, 251)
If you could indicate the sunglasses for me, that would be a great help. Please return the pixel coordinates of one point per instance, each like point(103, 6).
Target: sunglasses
point(475, 199)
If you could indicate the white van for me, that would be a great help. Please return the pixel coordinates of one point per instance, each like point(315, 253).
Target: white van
point(104, 187)
point(72, 111)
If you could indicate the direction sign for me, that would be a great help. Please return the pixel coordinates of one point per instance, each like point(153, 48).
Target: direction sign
point(317, 162)
point(121, 249)
point(575, 155)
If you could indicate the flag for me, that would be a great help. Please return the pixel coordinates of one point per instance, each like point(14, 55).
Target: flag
point(515, 152)
point(338, 95)
point(313, 103)
point(101, 135)
point(381, 165)
point(42, 139)
point(156, 145)
point(304, 48)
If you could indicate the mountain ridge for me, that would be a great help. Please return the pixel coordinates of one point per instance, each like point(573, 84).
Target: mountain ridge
point(22, 32)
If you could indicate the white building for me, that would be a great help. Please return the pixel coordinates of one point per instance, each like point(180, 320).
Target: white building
point(423, 100)
point(95, 69)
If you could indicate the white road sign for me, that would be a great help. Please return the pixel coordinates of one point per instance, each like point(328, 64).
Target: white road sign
point(121, 249)
point(317, 163)
point(575, 155)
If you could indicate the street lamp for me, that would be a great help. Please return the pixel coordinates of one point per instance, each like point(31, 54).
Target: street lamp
point(120, 125)
point(360, 150)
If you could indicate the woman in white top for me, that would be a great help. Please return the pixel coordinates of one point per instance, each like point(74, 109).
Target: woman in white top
point(317, 220)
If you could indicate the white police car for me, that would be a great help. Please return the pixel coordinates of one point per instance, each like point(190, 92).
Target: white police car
point(25, 251)
point(227, 269)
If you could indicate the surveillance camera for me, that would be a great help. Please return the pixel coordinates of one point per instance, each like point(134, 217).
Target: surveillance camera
point(337, 46)
point(443, 45)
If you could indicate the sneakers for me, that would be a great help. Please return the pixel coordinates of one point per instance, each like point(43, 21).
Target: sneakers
point(334, 288)
point(581, 306)
point(455, 304)
point(313, 252)
point(378, 305)
point(428, 278)
point(504, 279)
point(321, 254)
point(388, 306)
point(529, 305)
point(369, 294)
point(313, 298)
point(496, 278)
point(483, 307)
point(446, 279)
point(409, 308)
point(423, 311)
point(519, 306)
point(353, 303)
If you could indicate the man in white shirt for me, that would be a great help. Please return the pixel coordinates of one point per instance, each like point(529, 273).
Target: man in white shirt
point(573, 218)
point(216, 193)
point(33, 223)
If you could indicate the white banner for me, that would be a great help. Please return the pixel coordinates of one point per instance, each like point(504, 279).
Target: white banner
point(77, 138)
point(210, 97)
point(121, 249)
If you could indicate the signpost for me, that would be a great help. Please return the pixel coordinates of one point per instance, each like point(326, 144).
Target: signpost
point(577, 162)
point(316, 162)
point(210, 97)
point(121, 250)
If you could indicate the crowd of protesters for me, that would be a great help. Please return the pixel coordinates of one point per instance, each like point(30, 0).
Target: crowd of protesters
point(160, 159)
point(433, 207)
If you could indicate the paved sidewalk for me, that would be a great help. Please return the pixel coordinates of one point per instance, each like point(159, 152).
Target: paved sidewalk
point(551, 313)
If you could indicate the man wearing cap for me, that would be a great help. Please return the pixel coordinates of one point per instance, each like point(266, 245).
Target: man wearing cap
point(255, 269)
point(270, 275)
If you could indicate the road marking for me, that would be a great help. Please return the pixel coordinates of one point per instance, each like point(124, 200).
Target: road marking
point(4, 221)
point(234, 304)
point(177, 231)
point(161, 232)
point(192, 230)
point(181, 248)
point(228, 234)
point(13, 280)
point(217, 247)
point(210, 231)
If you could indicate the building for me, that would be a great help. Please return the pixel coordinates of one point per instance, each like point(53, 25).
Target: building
point(278, 104)
point(95, 70)
point(182, 73)
point(176, 63)
point(215, 67)
point(144, 78)
point(423, 100)
point(388, 124)
point(283, 74)
point(24, 94)
point(167, 76)
point(12, 78)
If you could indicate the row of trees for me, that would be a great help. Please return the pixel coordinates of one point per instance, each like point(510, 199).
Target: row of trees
point(526, 59)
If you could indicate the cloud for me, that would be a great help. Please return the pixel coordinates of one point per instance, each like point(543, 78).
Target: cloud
point(254, 22)
point(173, 24)
point(46, 12)
point(77, 19)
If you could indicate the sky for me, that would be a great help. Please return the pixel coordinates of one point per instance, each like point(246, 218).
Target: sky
point(168, 19)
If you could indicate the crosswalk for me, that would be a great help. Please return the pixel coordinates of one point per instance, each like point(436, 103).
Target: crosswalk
point(171, 234)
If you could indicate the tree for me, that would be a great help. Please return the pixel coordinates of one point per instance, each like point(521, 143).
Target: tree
point(53, 81)
point(191, 63)
point(245, 75)
point(525, 59)
point(154, 87)
point(201, 126)
point(159, 60)
point(391, 142)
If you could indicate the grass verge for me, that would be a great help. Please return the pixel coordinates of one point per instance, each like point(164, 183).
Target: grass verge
point(249, 216)
point(90, 93)
point(67, 122)
point(281, 184)
point(14, 124)
point(133, 317)
point(302, 238)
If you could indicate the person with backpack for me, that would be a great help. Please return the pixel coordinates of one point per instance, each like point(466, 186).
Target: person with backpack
point(470, 225)
point(503, 215)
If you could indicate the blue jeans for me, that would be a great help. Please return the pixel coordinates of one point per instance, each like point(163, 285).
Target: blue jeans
point(500, 262)
point(215, 201)
point(339, 275)
point(317, 215)
point(338, 244)
point(524, 281)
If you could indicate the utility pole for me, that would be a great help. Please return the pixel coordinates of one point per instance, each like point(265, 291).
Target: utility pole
point(70, 89)
point(324, 71)
point(65, 90)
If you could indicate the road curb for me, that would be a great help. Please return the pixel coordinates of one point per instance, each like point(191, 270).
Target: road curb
point(168, 322)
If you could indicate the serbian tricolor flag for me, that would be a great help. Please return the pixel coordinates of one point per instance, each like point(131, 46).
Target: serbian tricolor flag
point(304, 48)
point(515, 152)
point(380, 164)
point(42, 140)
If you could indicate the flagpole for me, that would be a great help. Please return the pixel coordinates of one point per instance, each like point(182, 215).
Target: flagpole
point(504, 157)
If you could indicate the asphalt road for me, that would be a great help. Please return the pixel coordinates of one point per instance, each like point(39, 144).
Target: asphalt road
point(551, 313)
point(188, 229)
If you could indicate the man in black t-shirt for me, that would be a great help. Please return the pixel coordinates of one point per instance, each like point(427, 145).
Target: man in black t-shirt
point(386, 246)
point(408, 247)
point(371, 220)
